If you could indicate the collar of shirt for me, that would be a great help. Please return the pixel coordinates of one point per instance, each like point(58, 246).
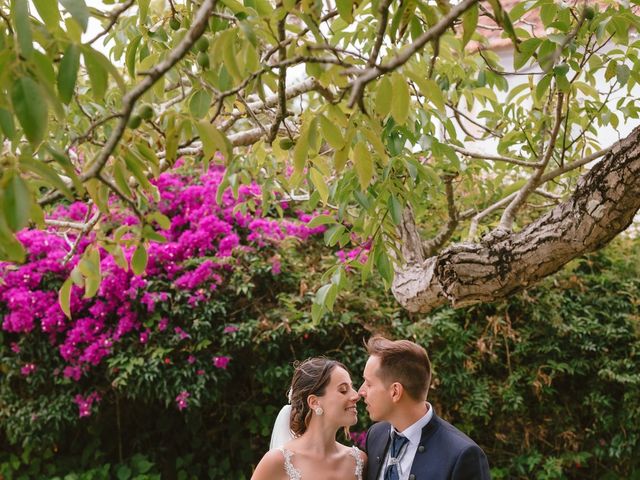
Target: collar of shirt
point(414, 432)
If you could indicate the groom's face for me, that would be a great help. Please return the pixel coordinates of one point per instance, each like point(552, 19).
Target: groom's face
point(375, 392)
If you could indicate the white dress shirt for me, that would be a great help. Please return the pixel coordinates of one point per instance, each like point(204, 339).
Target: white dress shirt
point(413, 433)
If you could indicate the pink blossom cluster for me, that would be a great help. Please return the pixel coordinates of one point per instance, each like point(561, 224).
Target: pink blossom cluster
point(182, 400)
point(221, 362)
point(200, 228)
point(85, 403)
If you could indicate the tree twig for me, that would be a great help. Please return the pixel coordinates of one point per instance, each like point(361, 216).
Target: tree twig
point(431, 246)
point(113, 18)
point(508, 215)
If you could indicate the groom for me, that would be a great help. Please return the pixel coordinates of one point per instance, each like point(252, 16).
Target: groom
point(410, 442)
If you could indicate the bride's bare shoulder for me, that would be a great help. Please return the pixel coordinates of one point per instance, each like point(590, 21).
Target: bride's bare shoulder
point(270, 467)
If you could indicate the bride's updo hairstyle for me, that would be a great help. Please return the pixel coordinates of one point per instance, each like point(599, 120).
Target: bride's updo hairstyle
point(310, 377)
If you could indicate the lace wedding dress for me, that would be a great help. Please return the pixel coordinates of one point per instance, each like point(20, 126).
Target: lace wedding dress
point(294, 474)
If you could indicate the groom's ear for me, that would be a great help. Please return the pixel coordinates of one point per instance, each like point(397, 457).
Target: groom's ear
point(397, 391)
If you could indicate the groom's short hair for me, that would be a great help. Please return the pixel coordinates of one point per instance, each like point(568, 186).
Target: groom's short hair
point(404, 362)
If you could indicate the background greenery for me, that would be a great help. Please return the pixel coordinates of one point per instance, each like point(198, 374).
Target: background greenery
point(547, 383)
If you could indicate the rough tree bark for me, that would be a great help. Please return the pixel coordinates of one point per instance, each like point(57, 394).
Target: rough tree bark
point(604, 204)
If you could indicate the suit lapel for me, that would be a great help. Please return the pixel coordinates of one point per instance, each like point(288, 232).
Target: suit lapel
point(378, 451)
point(420, 460)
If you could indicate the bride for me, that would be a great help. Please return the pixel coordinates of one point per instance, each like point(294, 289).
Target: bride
point(322, 400)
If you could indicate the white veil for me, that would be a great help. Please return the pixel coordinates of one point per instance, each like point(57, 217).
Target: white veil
point(281, 432)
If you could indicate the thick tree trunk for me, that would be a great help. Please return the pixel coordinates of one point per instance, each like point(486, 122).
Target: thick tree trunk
point(604, 204)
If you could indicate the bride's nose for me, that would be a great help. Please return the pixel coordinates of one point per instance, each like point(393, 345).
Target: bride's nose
point(354, 395)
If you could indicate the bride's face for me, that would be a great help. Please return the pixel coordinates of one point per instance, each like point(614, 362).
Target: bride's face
point(339, 400)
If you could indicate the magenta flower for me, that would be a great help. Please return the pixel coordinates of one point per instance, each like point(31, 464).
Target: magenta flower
point(85, 403)
point(28, 369)
point(221, 362)
point(230, 329)
point(181, 333)
point(182, 400)
point(162, 324)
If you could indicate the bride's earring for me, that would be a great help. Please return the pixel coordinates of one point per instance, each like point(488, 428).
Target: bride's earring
point(319, 411)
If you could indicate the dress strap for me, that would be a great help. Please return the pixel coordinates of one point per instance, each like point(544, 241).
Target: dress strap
point(291, 471)
point(355, 451)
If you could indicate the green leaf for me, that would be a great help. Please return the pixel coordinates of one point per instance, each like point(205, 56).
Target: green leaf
point(213, 140)
point(326, 296)
point(139, 260)
point(69, 169)
point(333, 234)
point(10, 248)
point(30, 108)
point(395, 209)
point(78, 10)
point(136, 166)
point(383, 96)
point(622, 73)
point(469, 23)
point(48, 11)
point(130, 56)
point(89, 266)
point(301, 150)
point(16, 202)
point(364, 164)
point(331, 133)
point(98, 75)
point(20, 13)
point(430, 90)
point(6, 123)
point(345, 10)
point(68, 72)
point(321, 220)
point(120, 177)
point(401, 99)
point(384, 265)
point(64, 297)
point(43, 170)
point(548, 13)
point(321, 186)
point(340, 158)
point(200, 103)
point(543, 86)
point(143, 9)
point(100, 59)
point(162, 220)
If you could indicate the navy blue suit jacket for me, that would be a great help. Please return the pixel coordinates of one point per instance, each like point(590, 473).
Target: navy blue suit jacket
point(444, 453)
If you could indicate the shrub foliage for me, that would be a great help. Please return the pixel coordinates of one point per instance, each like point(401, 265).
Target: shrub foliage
point(178, 371)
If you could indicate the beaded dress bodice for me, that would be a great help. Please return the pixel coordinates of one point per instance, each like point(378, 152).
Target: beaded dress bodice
point(294, 474)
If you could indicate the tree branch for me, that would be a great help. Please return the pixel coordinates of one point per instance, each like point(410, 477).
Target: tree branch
point(195, 31)
point(430, 247)
point(603, 204)
point(369, 74)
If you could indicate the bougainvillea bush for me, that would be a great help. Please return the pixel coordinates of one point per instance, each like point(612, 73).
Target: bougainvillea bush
point(154, 340)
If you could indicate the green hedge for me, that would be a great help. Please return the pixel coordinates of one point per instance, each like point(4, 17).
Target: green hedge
point(547, 383)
